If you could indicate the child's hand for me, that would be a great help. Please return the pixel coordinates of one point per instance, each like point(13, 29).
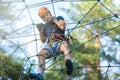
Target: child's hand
point(40, 26)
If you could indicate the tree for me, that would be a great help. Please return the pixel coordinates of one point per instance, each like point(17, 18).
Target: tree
point(93, 26)
point(5, 11)
point(11, 67)
point(6, 17)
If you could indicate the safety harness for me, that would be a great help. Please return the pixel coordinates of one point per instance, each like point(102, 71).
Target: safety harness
point(56, 37)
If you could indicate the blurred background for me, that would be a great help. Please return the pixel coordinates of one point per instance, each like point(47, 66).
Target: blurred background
point(93, 27)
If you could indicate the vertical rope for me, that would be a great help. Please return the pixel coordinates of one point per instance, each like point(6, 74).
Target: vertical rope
point(53, 7)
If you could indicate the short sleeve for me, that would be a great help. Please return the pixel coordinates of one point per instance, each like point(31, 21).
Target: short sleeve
point(60, 18)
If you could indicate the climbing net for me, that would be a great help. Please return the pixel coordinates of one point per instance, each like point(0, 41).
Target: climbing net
point(20, 38)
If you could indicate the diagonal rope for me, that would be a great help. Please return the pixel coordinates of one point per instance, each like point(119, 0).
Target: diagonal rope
point(84, 16)
point(49, 2)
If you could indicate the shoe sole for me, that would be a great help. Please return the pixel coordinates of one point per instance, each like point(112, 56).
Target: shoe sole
point(69, 67)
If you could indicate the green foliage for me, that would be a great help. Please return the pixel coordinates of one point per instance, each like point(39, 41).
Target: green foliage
point(101, 20)
point(59, 69)
point(9, 67)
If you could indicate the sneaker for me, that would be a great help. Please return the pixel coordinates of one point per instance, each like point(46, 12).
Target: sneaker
point(35, 76)
point(69, 67)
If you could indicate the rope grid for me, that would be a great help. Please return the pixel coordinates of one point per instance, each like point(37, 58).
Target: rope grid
point(8, 37)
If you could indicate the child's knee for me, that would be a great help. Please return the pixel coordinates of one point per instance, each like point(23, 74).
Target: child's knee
point(44, 53)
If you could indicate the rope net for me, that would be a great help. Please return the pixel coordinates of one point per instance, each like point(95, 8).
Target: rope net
point(20, 38)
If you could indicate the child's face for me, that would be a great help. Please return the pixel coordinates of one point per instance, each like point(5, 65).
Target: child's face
point(47, 17)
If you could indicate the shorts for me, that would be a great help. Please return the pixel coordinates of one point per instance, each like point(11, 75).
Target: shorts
point(54, 49)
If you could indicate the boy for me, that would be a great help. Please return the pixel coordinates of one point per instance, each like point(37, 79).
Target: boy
point(52, 32)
